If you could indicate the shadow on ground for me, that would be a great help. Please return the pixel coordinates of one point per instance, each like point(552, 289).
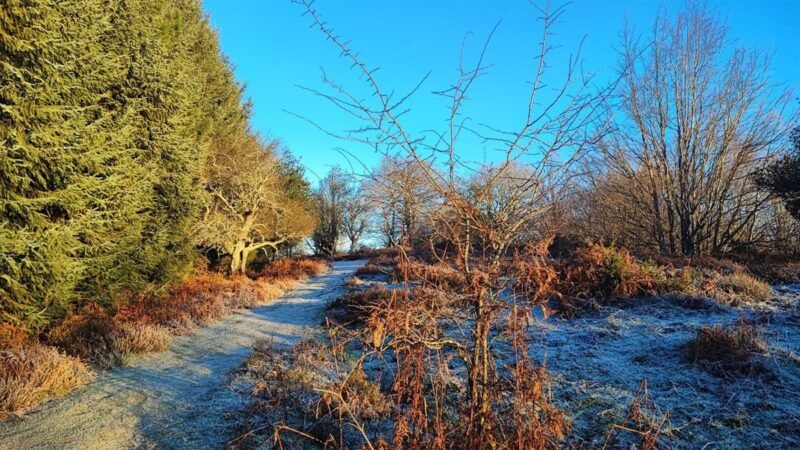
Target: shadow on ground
point(177, 398)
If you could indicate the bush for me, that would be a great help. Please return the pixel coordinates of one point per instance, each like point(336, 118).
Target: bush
point(778, 272)
point(439, 276)
point(536, 278)
point(294, 268)
point(200, 300)
point(35, 373)
point(740, 287)
point(603, 271)
point(357, 306)
point(12, 336)
point(88, 334)
point(133, 338)
point(726, 349)
point(383, 262)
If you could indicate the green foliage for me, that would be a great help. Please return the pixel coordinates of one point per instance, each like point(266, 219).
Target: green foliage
point(782, 177)
point(107, 112)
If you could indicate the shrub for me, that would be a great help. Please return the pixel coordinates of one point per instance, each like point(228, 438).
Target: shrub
point(294, 268)
point(779, 272)
point(383, 262)
point(440, 275)
point(88, 334)
point(135, 338)
point(536, 279)
point(604, 271)
point(726, 349)
point(200, 300)
point(357, 306)
point(372, 269)
point(740, 287)
point(35, 373)
point(12, 336)
point(682, 281)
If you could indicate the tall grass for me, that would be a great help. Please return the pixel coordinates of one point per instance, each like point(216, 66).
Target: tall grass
point(35, 373)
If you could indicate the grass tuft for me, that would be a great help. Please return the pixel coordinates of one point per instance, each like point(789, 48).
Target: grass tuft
point(35, 373)
point(739, 287)
point(728, 349)
point(135, 338)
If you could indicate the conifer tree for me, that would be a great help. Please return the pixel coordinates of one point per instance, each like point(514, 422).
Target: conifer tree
point(108, 109)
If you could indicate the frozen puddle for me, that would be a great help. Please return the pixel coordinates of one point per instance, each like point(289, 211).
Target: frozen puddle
point(177, 398)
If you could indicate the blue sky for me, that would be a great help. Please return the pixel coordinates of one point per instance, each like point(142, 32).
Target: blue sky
point(274, 50)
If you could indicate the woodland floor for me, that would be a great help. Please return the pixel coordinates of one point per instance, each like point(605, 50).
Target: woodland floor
point(178, 398)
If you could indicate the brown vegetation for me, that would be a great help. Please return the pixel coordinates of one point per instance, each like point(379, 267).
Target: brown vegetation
point(739, 287)
point(728, 349)
point(598, 271)
point(13, 336)
point(643, 420)
point(380, 263)
point(356, 306)
point(134, 338)
point(144, 324)
point(294, 269)
point(35, 373)
point(305, 394)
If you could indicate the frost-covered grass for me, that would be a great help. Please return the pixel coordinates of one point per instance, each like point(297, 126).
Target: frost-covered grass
point(678, 343)
point(741, 287)
point(31, 374)
point(598, 361)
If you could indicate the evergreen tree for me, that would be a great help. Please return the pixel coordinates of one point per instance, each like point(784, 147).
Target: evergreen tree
point(108, 110)
point(782, 177)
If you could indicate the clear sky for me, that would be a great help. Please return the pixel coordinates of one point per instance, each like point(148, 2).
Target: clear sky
point(274, 51)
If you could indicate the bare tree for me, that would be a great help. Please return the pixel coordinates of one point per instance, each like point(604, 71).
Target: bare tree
point(249, 208)
point(697, 118)
point(404, 199)
point(533, 160)
point(355, 220)
point(331, 198)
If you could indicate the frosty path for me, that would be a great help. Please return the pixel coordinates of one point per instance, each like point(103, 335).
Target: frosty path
point(177, 398)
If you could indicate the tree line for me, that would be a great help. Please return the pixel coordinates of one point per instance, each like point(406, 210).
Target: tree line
point(689, 152)
point(679, 155)
point(126, 154)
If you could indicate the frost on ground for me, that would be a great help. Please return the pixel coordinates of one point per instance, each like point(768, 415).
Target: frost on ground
point(177, 398)
point(598, 361)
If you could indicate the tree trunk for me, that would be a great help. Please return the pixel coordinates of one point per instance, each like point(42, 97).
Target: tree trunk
point(237, 262)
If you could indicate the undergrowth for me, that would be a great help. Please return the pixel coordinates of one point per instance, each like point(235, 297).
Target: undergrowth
point(31, 374)
point(145, 323)
point(596, 274)
point(300, 396)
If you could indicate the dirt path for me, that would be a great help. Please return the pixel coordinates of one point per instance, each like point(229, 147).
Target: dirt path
point(177, 398)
